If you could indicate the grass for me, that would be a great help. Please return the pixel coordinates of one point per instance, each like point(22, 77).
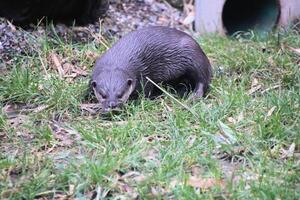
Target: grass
point(242, 144)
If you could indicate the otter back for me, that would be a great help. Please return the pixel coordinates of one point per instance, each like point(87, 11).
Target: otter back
point(163, 54)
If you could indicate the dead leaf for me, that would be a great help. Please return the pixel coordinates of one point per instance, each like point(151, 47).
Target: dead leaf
point(92, 108)
point(158, 191)
point(205, 183)
point(192, 139)
point(68, 68)
point(254, 82)
point(65, 136)
point(189, 19)
point(196, 171)
point(295, 50)
point(57, 64)
point(11, 26)
point(158, 138)
point(288, 153)
point(151, 155)
point(240, 117)
point(79, 71)
point(270, 112)
point(92, 55)
point(271, 88)
point(133, 176)
point(231, 120)
point(254, 89)
point(271, 61)
point(71, 189)
point(17, 121)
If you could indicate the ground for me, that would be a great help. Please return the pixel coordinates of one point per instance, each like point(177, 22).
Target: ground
point(239, 142)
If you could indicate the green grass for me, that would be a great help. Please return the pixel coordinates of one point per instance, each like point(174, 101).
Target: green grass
point(248, 140)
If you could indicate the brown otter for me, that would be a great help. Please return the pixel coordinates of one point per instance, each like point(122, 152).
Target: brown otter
point(165, 55)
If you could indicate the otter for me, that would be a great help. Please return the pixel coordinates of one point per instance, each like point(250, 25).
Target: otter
point(165, 55)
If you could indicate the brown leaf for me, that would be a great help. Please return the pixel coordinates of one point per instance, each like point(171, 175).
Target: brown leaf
point(65, 136)
point(192, 139)
point(92, 55)
point(91, 108)
point(80, 71)
point(289, 152)
point(133, 176)
point(57, 64)
point(196, 171)
point(271, 88)
point(189, 19)
point(15, 122)
point(205, 183)
point(271, 61)
point(270, 112)
point(295, 50)
point(231, 120)
point(68, 68)
point(12, 27)
point(254, 86)
point(151, 155)
point(254, 89)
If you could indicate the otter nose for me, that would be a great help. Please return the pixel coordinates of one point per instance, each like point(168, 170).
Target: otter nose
point(112, 104)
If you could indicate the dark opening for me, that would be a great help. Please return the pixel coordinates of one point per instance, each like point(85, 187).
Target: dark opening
point(245, 15)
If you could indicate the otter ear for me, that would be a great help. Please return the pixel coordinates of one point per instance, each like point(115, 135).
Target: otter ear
point(129, 82)
point(94, 84)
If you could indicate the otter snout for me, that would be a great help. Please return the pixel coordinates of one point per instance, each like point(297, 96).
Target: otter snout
point(110, 106)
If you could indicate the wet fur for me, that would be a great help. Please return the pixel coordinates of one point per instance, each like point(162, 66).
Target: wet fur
point(165, 55)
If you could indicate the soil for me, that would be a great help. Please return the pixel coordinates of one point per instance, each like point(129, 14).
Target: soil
point(120, 19)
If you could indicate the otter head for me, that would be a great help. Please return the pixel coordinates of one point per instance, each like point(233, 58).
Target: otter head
point(113, 88)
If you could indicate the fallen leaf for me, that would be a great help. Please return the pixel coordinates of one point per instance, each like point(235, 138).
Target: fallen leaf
point(271, 61)
point(68, 68)
point(18, 120)
point(191, 139)
point(289, 152)
point(79, 71)
point(11, 26)
point(240, 117)
point(91, 108)
point(57, 64)
point(151, 155)
point(254, 82)
point(157, 138)
point(133, 176)
point(205, 183)
point(189, 19)
point(254, 86)
point(295, 50)
point(270, 112)
point(158, 191)
point(196, 171)
point(71, 189)
point(65, 136)
point(92, 55)
point(271, 88)
point(231, 120)
point(254, 89)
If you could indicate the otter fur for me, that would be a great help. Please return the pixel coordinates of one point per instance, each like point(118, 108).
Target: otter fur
point(164, 55)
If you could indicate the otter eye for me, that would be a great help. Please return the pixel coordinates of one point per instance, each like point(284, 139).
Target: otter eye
point(129, 81)
point(94, 84)
point(119, 96)
point(102, 94)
